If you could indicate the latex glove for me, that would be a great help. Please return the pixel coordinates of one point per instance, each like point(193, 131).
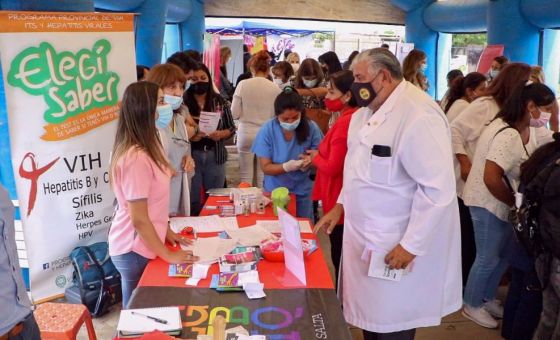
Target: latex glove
point(292, 165)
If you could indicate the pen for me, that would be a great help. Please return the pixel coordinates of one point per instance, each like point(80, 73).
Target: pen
point(150, 317)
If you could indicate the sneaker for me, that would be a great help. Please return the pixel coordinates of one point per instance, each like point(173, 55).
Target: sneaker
point(480, 316)
point(495, 308)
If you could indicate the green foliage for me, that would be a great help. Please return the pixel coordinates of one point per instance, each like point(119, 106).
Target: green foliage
point(463, 40)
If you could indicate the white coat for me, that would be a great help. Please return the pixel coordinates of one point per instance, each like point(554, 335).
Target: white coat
point(408, 198)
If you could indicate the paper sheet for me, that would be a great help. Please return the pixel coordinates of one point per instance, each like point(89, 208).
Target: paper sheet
point(273, 226)
point(252, 276)
point(208, 121)
point(204, 224)
point(237, 330)
point(254, 290)
point(131, 323)
point(293, 250)
point(379, 269)
point(250, 236)
point(210, 249)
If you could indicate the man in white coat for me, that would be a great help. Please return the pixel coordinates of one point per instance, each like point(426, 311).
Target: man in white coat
point(401, 265)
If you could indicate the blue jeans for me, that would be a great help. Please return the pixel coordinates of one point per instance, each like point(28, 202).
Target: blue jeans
point(131, 266)
point(491, 236)
point(208, 175)
point(304, 207)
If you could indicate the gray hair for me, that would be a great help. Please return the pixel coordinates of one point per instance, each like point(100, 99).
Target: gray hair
point(380, 58)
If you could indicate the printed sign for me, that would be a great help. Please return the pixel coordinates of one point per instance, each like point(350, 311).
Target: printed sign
point(285, 314)
point(64, 76)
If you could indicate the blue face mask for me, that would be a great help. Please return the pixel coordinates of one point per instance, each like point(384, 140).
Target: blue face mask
point(187, 84)
point(174, 101)
point(165, 113)
point(494, 73)
point(423, 67)
point(290, 126)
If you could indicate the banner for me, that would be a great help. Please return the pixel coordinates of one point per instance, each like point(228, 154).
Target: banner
point(284, 314)
point(211, 56)
point(64, 76)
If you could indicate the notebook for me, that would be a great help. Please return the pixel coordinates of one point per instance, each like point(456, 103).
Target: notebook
point(133, 325)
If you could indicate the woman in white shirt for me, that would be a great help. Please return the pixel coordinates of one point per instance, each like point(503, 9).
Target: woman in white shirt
point(505, 143)
point(253, 105)
point(463, 91)
point(468, 126)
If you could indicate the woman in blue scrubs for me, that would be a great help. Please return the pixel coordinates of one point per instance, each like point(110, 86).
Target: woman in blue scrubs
point(281, 144)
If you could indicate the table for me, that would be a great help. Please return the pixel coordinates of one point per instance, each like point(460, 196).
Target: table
point(290, 311)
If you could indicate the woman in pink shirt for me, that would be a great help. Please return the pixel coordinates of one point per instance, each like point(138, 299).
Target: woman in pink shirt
point(140, 175)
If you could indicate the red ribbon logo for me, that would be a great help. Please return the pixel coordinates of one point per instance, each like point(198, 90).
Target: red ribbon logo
point(33, 175)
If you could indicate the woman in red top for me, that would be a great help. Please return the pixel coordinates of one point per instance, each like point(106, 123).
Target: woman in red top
point(329, 159)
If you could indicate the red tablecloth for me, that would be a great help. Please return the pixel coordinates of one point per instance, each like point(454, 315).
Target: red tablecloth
point(272, 274)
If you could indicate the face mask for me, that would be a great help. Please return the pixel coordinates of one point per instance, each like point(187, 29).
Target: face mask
point(494, 73)
point(310, 83)
point(279, 82)
point(541, 121)
point(423, 67)
point(290, 126)
point(334, 105)
point(364, 92)
point(200, 87)
point(165, 113)
point(295, 67)
point(174, 101)
point(187, 84)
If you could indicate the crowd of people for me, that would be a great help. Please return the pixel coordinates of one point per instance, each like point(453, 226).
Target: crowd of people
point(425, 188)
point(429, 185)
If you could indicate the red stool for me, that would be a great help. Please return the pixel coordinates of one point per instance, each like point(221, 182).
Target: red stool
point(62, 321)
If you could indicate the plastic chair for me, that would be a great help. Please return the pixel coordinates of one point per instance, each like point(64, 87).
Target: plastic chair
point(61, 321)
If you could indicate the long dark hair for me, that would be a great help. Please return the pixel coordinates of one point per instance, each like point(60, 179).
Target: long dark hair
point(289, 99)
point(509, 78)
point(459, 88)
point(543, 156)
point(342, 81)
point(515, 108)
point(137, 125)
point(212, 97)
point(331, 60)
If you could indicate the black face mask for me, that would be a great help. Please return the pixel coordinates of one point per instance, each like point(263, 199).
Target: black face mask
point(363, 93)
point(199, 88)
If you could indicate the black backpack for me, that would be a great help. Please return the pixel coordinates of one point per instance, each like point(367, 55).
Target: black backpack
point(95, 278)
point(537, 225)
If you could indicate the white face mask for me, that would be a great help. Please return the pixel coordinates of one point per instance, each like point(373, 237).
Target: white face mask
point(187, 84)
point(310, 83)
point(279, 82)
point(295, 67)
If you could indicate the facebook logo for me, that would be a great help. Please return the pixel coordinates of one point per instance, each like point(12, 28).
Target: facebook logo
point(45, 266)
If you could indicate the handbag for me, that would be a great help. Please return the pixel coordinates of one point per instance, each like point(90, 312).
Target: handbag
point(320, 116)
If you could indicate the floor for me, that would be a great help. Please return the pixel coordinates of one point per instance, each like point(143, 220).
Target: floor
point(453, 327)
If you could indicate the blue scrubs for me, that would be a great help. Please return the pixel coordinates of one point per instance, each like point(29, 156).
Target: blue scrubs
point(270, 143)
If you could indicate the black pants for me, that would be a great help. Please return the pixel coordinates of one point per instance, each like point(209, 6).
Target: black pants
point(336, 249)
point(402, 335)
point(468, 247)
point(523, 306)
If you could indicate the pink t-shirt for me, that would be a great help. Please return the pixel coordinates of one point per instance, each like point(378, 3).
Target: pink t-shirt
point(136, 176)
